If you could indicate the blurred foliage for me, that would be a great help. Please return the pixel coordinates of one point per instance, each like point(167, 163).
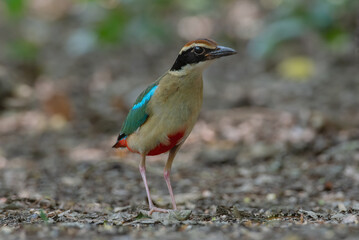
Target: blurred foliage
point(111, 28)
point(296, 68)
point(22, 50)
point(131, 20)
point(102, 22)
point(43, 216)
point(294, 19)
point(15, 7)
point(121, 22)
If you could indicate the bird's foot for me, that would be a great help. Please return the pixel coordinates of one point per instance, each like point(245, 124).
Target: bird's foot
point(156, 209)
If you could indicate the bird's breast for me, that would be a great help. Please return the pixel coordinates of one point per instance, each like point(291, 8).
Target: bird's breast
point(178, 103)
point(173, 111)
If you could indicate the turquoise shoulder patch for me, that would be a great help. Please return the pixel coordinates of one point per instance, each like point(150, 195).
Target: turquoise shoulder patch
point(138, 113)
point(146, 98)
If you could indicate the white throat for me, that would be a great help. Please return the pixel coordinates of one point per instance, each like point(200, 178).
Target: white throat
point(191, 68)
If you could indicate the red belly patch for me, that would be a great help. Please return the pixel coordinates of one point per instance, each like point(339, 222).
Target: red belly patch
point(161, 148)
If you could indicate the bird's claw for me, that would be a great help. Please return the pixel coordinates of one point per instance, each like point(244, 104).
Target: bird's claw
point(156, 209)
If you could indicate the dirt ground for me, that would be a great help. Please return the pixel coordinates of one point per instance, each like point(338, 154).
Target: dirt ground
point(268, 158)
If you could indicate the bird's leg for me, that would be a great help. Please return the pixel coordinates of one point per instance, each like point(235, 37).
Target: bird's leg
point(167, 172)
point(143, 175)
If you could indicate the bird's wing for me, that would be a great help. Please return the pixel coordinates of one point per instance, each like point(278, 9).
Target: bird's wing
point(138, 113)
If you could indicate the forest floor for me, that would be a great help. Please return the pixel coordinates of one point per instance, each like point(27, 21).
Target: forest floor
point(268, 159)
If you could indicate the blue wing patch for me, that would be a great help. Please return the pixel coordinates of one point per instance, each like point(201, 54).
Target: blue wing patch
point(138, 113)
point(145, 99)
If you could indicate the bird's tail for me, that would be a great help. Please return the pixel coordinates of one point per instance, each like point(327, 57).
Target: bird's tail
point(121, 142)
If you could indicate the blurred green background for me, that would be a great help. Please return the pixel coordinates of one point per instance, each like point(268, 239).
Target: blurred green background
point(80, 64)
point(82, 26)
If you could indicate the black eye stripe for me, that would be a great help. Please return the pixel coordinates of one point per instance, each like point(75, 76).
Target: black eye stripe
point(190, 56)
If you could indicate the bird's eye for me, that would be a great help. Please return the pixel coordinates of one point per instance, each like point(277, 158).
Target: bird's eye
point(198, 50)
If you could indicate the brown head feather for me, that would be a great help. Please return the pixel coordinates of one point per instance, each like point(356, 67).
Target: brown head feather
point(204, 42)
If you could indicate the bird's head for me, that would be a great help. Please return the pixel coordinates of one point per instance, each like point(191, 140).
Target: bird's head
point(197, 54)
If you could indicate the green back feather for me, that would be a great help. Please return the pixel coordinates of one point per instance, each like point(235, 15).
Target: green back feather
point(138, 116)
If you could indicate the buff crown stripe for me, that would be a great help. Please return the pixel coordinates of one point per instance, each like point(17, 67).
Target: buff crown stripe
point(201, 43)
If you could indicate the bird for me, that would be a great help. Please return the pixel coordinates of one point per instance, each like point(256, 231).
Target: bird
point(165, 113)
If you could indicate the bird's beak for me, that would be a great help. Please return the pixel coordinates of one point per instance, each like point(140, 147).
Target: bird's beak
point(220, 51)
